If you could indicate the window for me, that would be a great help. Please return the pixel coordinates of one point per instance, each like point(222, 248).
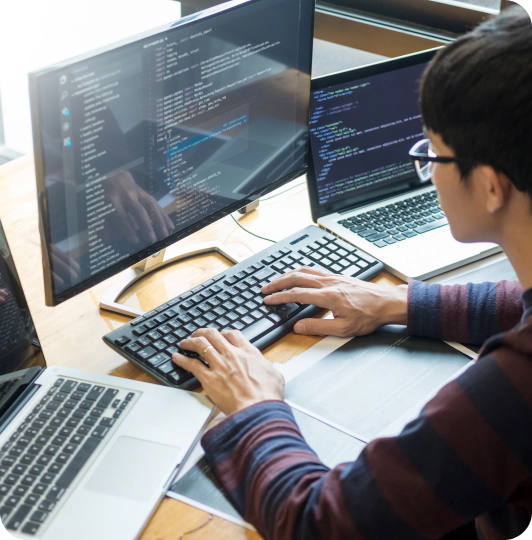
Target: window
point(447, 16)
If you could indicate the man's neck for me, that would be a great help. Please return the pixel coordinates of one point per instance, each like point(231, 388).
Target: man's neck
point(518, 247)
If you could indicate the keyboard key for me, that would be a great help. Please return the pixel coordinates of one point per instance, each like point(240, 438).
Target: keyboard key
point(107, 397)
point(39, 516)
point(124, 340)
point(46, 505)
point(55, 492)
point(288, 309)
point(62, 459)
point(12, 501)
point(157, 360)
point(31, 499)
point(257, 329)
point(28, 480)
point(107, 422)
point(378, 236)
point(18, 517)
point(36, 470)
point(79, 459)
point(40, 489)
point(95, 393)
point(47, 478)
point(431, 226)
point(30, 528)
point(20, 491)
point(18, 469)
point(68, 386)
point(146, 353)
point(44, 460)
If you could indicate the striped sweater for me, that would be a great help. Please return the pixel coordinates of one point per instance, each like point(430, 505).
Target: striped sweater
point(462, 469)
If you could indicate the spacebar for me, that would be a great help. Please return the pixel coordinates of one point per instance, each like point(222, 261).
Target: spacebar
point(430, 226)
point(82, 456)
point(257, 329)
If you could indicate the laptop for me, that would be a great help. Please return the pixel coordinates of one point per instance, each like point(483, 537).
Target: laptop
point(363, 186)
point(82, 455)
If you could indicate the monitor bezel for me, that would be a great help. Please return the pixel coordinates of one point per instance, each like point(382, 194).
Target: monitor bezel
point(341, 77)
point(53, 299)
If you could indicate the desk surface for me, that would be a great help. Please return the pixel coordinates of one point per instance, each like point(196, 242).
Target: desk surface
point(71, 333)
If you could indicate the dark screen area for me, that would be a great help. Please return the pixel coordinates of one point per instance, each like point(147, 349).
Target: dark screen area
point(148, 142)
point(361, 132)
point(17, 333)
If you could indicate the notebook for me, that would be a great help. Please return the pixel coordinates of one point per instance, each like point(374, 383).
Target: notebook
point(82, 455)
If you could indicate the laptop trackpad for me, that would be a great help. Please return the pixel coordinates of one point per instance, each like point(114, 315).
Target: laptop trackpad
point(134, 469)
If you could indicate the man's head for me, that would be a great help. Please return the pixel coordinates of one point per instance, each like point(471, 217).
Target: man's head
point(476, 103)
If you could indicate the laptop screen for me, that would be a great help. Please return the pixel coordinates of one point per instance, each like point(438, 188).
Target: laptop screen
point(18, 341)
point(362, 124)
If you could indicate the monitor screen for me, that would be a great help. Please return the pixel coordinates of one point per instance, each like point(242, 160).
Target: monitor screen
point(147, 141)
point(361, 130)
point(18, 346)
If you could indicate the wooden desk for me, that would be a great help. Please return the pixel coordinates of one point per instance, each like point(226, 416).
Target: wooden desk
point(71, 333)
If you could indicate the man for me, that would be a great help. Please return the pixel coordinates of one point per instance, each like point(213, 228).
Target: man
point(463, 468)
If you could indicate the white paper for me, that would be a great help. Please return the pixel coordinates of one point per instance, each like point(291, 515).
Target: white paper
point(375, 388)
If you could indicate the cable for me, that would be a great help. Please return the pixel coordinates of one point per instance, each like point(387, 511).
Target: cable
point(285, 191)
point(253, 234)
point(209, 519)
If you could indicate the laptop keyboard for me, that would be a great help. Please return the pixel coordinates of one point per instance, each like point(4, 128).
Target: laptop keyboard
point(233, 300)
point(398, 221)
point(41, 460)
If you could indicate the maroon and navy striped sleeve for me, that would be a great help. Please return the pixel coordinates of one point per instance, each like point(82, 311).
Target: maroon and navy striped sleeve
point(469, 313)
point(461, 459)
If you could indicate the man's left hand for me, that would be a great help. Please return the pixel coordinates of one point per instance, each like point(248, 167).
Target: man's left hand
point(238, 375)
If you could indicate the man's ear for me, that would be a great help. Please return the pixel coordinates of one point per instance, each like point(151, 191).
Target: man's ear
point(496, 186)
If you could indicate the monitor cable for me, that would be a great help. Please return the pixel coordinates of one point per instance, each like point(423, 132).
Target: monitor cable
point(263, 199)
point(252, 233)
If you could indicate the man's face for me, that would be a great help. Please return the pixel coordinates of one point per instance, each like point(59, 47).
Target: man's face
point(460, 200)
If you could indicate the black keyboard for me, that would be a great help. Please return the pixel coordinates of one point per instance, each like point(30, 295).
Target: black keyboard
point(12, 322)
point(233, 300)
point(41, 460)
point(398, 221)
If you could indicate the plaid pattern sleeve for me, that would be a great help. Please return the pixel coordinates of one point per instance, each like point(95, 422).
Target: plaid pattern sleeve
point(466, 458)
point(469, 313)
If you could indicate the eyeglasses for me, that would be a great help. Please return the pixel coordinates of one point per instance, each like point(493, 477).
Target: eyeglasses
point(423, 157)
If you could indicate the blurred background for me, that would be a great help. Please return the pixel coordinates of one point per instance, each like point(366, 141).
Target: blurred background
point(36, 33)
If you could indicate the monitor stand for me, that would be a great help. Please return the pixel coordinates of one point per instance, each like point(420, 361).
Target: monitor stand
point(163, 258)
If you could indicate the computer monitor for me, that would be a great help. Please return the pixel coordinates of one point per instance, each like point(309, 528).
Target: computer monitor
point(147, 141)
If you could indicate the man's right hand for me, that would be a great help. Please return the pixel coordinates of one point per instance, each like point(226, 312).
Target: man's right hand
point(358, 307)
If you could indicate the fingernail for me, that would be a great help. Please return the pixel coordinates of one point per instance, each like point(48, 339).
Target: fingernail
point(299, 327)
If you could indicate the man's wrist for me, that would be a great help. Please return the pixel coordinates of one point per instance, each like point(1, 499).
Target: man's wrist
point(396, 311)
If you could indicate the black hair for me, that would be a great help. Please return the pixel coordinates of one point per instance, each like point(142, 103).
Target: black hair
point(477, 95)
